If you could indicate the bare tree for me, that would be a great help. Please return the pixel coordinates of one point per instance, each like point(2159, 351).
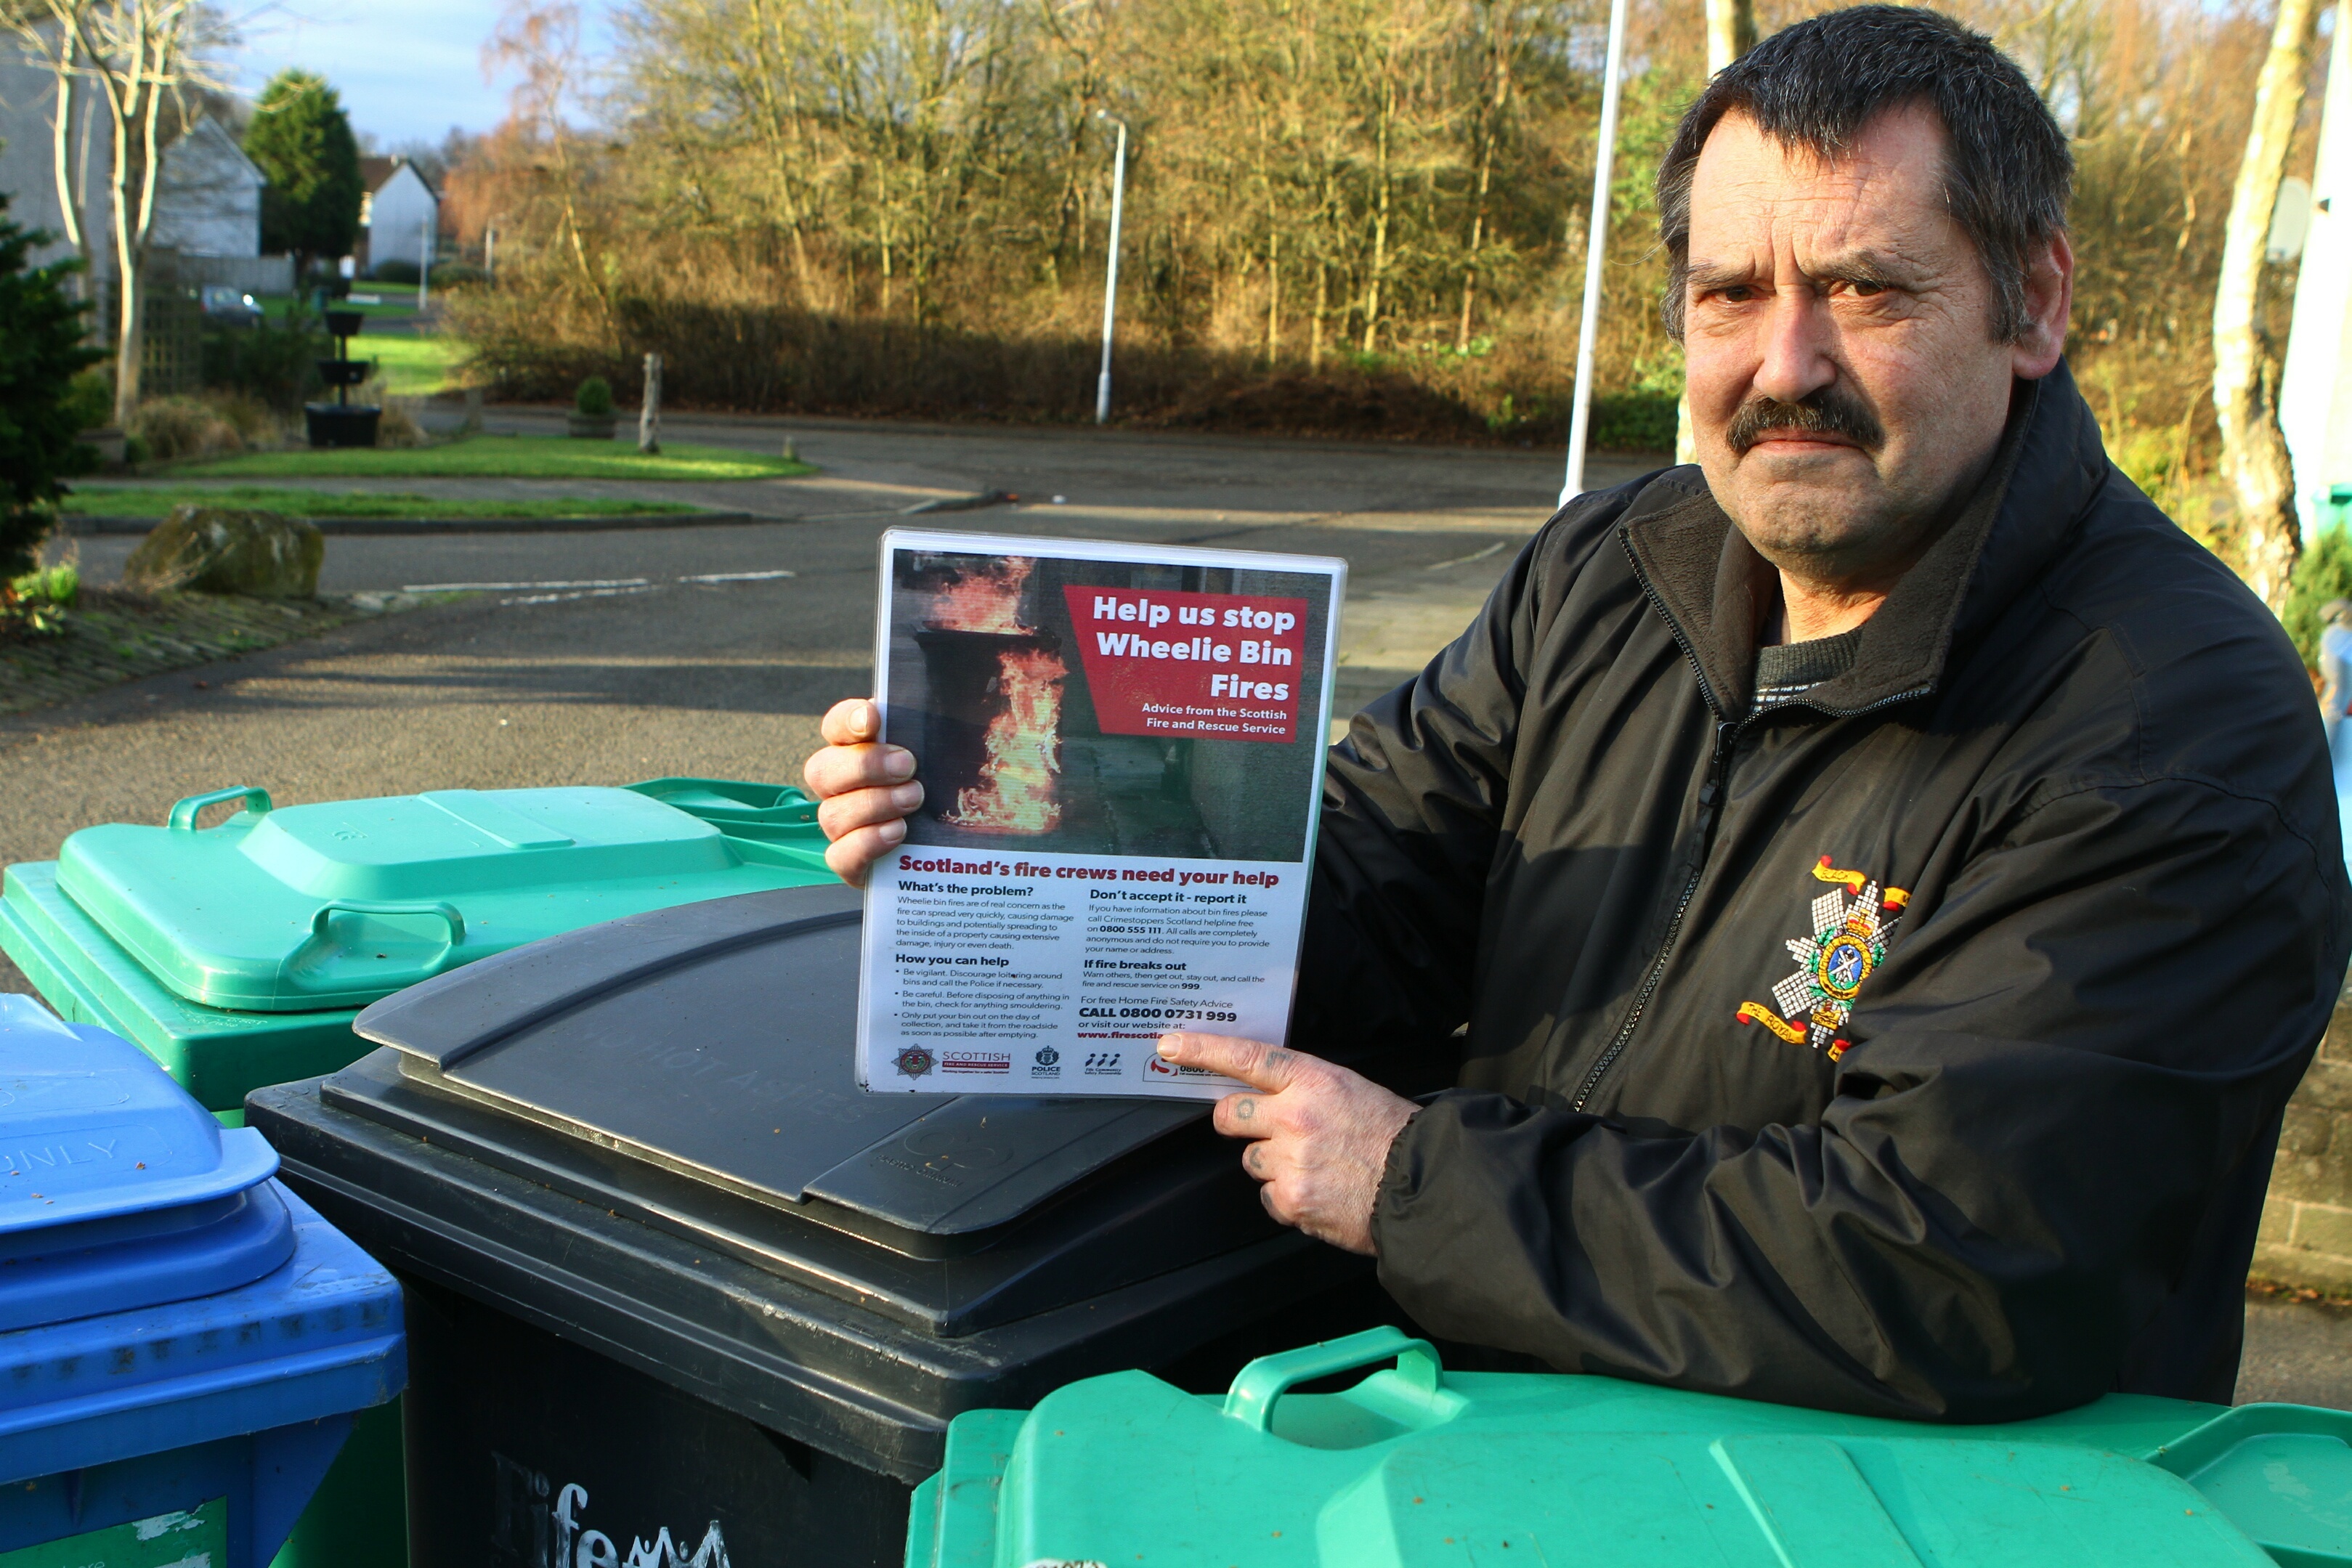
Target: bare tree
point(2245, 364)
point(141, 58)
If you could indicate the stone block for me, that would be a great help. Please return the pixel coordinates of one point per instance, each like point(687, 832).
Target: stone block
point(2326, 1083)
point(2300, 1178)
point(2301, 1266)
point(215, 549)
point(2309, 1131)
point(2324, 1228)
point(2277, 1229)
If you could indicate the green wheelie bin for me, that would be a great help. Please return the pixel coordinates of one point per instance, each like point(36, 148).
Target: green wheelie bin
point(1416, 1467)
point(237, 954)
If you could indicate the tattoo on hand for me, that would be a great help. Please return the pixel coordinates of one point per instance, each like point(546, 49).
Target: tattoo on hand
point(1255, 1158)
point(1244, 1109)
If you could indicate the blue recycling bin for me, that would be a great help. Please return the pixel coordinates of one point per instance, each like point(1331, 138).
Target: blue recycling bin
point(183, 1343)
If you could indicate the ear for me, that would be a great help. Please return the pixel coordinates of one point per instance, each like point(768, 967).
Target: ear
point(2049, 296)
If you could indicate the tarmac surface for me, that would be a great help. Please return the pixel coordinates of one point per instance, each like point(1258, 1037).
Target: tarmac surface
point(600, 659)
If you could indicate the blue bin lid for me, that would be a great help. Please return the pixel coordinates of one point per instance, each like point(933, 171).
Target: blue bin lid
point(117, 1189)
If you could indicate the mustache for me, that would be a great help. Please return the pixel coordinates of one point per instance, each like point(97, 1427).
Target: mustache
point(1831, 410)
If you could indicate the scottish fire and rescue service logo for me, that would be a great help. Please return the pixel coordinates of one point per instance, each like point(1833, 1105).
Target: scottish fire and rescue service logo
point(1851, 925)
point(914, 1061)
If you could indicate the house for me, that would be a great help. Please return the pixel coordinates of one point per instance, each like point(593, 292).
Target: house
point(208, 193)
point(400, 219)
point(208, 200)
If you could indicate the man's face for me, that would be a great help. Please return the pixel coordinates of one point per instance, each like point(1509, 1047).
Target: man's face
point(1845, 388)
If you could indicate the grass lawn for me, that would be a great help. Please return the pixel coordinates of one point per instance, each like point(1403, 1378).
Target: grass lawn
point(415, 366)
point(145, 501)
point(507, 457)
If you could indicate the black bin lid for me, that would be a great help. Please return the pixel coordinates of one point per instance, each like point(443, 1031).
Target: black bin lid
point(692, 1067)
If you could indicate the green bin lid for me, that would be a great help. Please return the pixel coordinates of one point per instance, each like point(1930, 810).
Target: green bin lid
point(1415, 1467)
point(337, 903)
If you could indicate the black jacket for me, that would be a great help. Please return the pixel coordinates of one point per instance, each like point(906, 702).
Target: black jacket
point(1916, 1051)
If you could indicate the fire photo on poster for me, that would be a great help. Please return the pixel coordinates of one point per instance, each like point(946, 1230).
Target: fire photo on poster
point(1103, 707)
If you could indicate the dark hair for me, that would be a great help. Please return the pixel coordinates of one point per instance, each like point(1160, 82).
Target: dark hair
point(2007, 169)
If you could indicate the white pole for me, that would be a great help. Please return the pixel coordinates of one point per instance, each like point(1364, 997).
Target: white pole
point(1580, 422)
point(1110, 278)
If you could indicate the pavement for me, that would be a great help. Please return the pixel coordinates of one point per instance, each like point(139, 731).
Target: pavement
point(597, 657)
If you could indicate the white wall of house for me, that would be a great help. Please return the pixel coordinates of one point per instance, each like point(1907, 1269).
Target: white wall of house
point(2315, 387)
point(27, 152)
point(399, 213)
point(209, 199)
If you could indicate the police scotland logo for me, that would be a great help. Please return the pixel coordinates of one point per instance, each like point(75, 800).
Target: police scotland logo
point(1851, 925)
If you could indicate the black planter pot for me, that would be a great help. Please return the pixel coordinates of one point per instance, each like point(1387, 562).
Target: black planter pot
point(340, 425)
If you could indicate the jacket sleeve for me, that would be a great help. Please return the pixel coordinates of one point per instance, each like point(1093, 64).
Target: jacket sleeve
point(1413, 807)
point(2051, 1076)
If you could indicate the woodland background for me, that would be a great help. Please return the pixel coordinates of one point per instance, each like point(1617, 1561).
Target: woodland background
point(1360, 217)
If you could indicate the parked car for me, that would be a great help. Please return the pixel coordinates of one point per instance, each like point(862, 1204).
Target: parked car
point(231, 307)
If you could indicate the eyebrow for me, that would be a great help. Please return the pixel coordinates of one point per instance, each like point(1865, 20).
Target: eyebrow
point(1888, 268)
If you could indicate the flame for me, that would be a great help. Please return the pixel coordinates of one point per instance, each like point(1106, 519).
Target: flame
point(1016, 793)
point(985, 599)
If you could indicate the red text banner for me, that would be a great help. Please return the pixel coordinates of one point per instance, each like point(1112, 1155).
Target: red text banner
point(1215, 666)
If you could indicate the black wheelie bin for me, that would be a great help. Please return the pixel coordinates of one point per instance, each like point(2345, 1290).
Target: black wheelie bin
point(682, 1295)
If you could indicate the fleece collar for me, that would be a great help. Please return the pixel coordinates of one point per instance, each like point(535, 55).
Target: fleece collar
point(1708, 584)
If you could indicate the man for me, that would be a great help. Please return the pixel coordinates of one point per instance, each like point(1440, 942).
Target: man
point(1885, 880)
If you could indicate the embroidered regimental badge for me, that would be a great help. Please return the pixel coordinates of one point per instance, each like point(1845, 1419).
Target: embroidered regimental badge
point(1851, 929)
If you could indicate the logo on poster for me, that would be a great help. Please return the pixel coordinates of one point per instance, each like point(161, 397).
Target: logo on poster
point(914, 1061)
point(1048, 1062)
point(1102, 1063)
point(976, 1062)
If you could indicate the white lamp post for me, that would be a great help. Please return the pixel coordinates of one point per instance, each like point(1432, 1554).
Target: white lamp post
point(425, 262)
point(1110, 278)
point(1580, 424)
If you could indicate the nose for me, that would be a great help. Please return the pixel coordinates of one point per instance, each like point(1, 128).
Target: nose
point(1795, 360)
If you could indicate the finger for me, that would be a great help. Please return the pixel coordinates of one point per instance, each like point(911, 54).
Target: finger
point(867, 809)
point(836, 770)
point(1243, 1116)
point(1255, 1062)
point(851, 722)
point(1277, 1204)
point(853, 854)
point(1263, 1160)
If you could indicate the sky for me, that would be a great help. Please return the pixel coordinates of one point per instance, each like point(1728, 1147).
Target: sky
point(406, 72)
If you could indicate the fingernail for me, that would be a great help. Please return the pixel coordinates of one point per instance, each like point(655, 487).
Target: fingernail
point(906, 797)
point(1168, 1045)
point(864, 723)
point(898, 763)
point(892, 831)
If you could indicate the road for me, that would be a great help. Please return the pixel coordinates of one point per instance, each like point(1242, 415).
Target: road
point(727, 679)
point(522, 687)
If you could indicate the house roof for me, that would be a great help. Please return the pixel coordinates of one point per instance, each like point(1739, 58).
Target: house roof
point(376, 174)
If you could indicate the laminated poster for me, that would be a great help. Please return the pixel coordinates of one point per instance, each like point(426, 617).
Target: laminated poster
point(1121, 754)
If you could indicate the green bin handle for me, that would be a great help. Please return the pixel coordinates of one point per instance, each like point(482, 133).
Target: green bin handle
point(182, 819)
point(1261, 1382)
point(447, 912)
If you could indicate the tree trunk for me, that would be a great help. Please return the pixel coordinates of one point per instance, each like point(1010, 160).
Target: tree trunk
point(1730, 33)
point(2245, 367)
point(1379, 220)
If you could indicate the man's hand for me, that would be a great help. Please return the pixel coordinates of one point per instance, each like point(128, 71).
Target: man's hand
point(1320, 1133)
point(865, 790)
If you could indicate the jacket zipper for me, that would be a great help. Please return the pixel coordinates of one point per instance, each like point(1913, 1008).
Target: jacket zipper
point(1726, 742)
point(1711, 794)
